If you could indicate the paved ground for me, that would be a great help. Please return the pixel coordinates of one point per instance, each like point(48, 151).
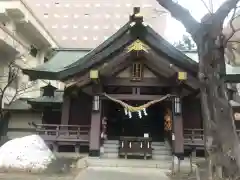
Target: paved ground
point(111, 173)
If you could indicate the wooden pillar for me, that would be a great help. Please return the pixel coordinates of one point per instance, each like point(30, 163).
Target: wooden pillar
point(94, 144)
point(95, 131)
point(65, 110)
point(177, 136)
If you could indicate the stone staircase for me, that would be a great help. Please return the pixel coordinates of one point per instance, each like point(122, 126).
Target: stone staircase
point(110, 149)
point(161, 151)
point(161, 158)
point(109, 157)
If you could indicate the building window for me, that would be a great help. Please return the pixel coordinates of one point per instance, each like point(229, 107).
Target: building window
point(33, 51)
point(137, 71)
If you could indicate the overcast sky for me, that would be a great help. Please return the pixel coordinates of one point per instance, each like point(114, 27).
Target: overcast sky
point(197, 9)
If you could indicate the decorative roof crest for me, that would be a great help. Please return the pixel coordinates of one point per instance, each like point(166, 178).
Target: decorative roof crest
point(138, 45)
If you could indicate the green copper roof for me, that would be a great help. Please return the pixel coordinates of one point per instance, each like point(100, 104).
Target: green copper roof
point(66, 58)
point(61, 59)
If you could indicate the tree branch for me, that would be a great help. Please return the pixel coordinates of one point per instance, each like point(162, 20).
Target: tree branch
point(181, 14)
point(206, 6)
point(222, 12)
point(233, 29)
point(21, 91)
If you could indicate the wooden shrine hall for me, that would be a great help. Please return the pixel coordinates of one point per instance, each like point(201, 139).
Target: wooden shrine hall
point(134, 88)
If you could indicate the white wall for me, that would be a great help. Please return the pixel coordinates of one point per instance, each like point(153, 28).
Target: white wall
point(13, 42)
point(21, 120)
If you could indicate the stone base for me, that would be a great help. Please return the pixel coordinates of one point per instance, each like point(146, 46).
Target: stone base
point(94, 153)
point(179, 155)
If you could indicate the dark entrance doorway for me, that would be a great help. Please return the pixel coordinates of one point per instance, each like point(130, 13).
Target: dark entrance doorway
point(119, 124)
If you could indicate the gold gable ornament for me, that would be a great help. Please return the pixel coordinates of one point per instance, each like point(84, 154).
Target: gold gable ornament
point(182, 76)
point(138, 15)
point(138, 46)
point(94, 74)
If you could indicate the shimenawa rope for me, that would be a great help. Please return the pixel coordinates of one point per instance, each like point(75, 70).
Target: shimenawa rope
point(138, 108)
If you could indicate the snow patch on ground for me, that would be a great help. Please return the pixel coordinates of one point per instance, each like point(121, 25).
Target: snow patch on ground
point(26, 153)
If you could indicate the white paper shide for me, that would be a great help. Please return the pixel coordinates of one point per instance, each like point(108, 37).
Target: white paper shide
point(26, 153)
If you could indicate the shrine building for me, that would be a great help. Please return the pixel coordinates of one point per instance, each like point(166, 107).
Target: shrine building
point(135, 91)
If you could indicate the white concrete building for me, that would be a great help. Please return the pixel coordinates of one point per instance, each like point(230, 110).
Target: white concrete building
point(233, 48)
point(87, 23)
point(23, 36)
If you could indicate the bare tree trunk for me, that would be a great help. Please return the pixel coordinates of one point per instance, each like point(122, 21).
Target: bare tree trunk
point(222, 142)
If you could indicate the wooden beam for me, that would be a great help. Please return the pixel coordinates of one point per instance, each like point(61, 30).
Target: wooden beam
point(145, 82)
point(95, 131)
point(65, 110)
point(133, 97)
point(194, 94)
point(232, 78)
point(177, 126)
point(78, 81)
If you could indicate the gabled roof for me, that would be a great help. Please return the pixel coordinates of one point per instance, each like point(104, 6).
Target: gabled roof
point(134, 29)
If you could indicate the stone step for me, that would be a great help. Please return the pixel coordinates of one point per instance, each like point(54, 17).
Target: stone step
point(111, 142)
point(160, 153)
point(160, 148)
point(109, 155)
point(110, 145)
point(162, 157)
point(131, 163)
point(108, 150)
point(158, 143)
point(115, 150)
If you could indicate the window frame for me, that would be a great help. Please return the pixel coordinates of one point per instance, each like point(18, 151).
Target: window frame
point(137, 71)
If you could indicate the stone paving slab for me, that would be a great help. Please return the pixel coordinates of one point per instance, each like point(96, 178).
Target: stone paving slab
point(131, 163)
point(121, 173)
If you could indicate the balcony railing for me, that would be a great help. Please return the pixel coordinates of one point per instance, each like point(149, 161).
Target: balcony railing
point(67, 133)
point(195, 137)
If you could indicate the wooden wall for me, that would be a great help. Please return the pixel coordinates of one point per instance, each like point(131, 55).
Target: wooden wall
point(80, 110)
point(192, 117)
point(51, 116)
